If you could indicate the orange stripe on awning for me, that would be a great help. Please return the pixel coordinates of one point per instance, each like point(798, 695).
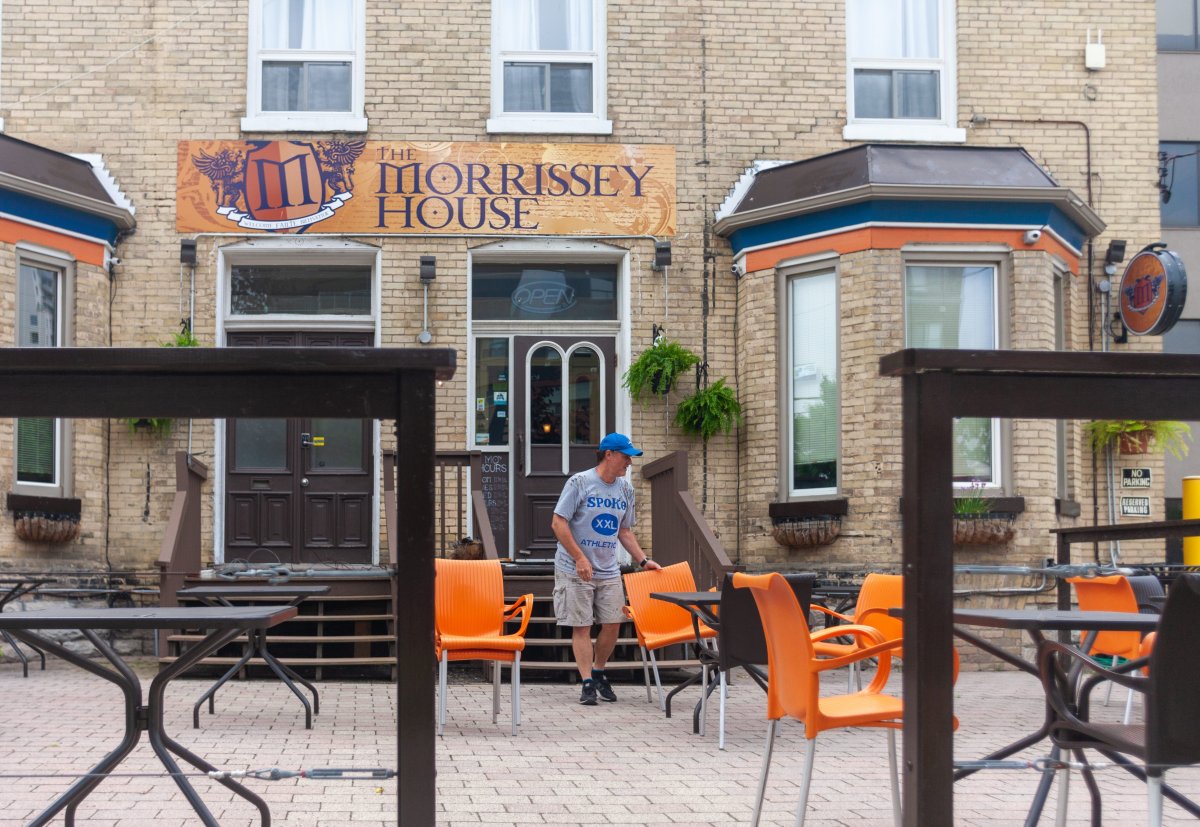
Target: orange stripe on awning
point(89, 252)
point(893, 238)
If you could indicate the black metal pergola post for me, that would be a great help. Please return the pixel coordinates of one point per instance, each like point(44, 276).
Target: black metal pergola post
point(938, 386)
point(367, 383)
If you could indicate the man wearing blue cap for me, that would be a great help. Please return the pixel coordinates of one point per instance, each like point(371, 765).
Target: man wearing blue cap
point(593, 518)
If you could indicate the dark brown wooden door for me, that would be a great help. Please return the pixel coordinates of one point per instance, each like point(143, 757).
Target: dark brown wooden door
point(563, 403)
point(299, 489)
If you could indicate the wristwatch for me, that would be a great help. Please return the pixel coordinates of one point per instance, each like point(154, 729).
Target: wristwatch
point(642, 563)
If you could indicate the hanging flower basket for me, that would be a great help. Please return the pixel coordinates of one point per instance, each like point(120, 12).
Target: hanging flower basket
point(988, 529)
point(806, 532)
point(46, 528)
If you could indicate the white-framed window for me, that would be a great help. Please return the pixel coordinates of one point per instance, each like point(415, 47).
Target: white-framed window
point(900, 71)
point(957, 306)
point(41, 450)
point(306, 66)
point(812, 422)
point(549, 67)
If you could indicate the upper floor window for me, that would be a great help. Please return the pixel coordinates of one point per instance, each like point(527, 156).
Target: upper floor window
point(40, 441)
point(306, 66)
point(1177, 26)
point(813, 406)
point(548, 67)
point(956, 306)
point(900, 73)
point(1182, 205)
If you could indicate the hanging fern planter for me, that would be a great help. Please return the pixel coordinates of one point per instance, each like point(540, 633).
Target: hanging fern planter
point(709, 411)
point(657, 368)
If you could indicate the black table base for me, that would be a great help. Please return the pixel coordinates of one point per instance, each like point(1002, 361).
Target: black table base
point(140, 718)
point(258, 649)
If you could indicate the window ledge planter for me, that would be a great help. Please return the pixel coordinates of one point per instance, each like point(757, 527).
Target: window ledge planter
point(807, 532)
point(44, 519)
point(987, 529)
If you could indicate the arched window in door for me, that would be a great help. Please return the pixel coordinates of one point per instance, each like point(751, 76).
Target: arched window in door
point(545, 396)
point(586, 423)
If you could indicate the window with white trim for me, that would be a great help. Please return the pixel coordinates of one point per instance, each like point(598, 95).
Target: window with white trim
point(813, 421)
point(548, 67)
point(306, 69)
point(40, 452)
point(956, 306)
point(900, 78)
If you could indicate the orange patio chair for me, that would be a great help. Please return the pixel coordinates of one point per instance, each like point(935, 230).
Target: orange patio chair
point(879, 593)
point(469, 616)
point(658, 623)
point(793, 688)
point(1110, 594)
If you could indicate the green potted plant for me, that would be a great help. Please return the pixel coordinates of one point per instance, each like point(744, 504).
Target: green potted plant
point(975, 524)
point(161, 427)
point(709, 410)
point(657, 368)
point(1134, 436)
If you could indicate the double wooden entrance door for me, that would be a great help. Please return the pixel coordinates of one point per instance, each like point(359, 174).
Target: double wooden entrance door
point(299, 490)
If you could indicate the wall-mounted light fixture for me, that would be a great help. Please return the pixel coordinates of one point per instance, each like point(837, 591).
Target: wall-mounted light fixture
point(428, 272)
point(1114, 255)
point(187, 252)
point(656, 333)
point(662, 255)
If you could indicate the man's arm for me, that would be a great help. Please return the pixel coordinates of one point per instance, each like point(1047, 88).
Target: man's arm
point(562, 531)
point(629, 540)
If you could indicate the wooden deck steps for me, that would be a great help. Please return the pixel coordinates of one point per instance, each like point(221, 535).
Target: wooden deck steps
point(349, 633)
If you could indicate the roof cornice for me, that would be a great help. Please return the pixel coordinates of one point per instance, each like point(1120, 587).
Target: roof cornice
point(119, 216)
point(1064, 198)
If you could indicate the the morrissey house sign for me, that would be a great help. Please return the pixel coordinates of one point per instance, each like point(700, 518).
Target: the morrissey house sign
point(385, 187)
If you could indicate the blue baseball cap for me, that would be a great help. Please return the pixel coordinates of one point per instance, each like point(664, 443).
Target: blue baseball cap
point(619, 442)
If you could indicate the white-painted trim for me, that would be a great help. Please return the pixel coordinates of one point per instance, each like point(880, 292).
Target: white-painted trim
point(916, 131)
point(870, 224)
point(535, 123)
point(107, 180)
point(301, 251)
point(814, 260)
point(742, 186)
point(257, 120)
point(939, 130)
point(595, 122)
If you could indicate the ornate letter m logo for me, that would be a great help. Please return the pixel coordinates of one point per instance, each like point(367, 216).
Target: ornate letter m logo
point(283, 181)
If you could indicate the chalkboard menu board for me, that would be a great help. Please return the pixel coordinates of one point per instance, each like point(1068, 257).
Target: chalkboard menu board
point(495, 495)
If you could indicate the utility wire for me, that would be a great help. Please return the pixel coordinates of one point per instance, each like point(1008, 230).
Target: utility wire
point(119, 57)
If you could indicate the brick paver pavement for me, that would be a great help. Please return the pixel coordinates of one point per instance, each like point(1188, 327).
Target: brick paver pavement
point(618, 763)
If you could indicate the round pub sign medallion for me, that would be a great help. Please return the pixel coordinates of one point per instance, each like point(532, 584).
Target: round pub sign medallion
point(1153, 291)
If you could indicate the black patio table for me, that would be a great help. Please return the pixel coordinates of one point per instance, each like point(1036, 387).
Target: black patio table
point(14, 589)
point(700, 606)
point(225, 624)
point(1035, 622)
point(221, 596)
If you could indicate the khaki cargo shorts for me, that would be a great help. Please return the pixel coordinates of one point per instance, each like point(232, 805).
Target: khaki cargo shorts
point(579, 603)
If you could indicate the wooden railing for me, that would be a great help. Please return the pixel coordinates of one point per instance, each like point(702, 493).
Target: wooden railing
point(179, 554)
point(680, 532)
point(452, 497)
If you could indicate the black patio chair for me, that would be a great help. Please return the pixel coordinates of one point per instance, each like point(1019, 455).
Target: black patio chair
point(1148, 590)
point(740, 639)
point(1170, 736)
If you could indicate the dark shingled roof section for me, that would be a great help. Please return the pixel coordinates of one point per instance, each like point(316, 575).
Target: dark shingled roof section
point(945, 166)
point(54, 169)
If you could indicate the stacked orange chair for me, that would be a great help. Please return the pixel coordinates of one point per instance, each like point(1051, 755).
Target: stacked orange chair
point(1110, 594)
point(879, 593)
point(658, 623)
point(469, 617)
point(793, 689)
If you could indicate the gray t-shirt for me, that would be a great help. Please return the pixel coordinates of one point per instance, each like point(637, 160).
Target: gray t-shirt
point(596, 511)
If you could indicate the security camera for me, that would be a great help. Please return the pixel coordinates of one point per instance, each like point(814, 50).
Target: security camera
point(1032, 236)
point(739, 269)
